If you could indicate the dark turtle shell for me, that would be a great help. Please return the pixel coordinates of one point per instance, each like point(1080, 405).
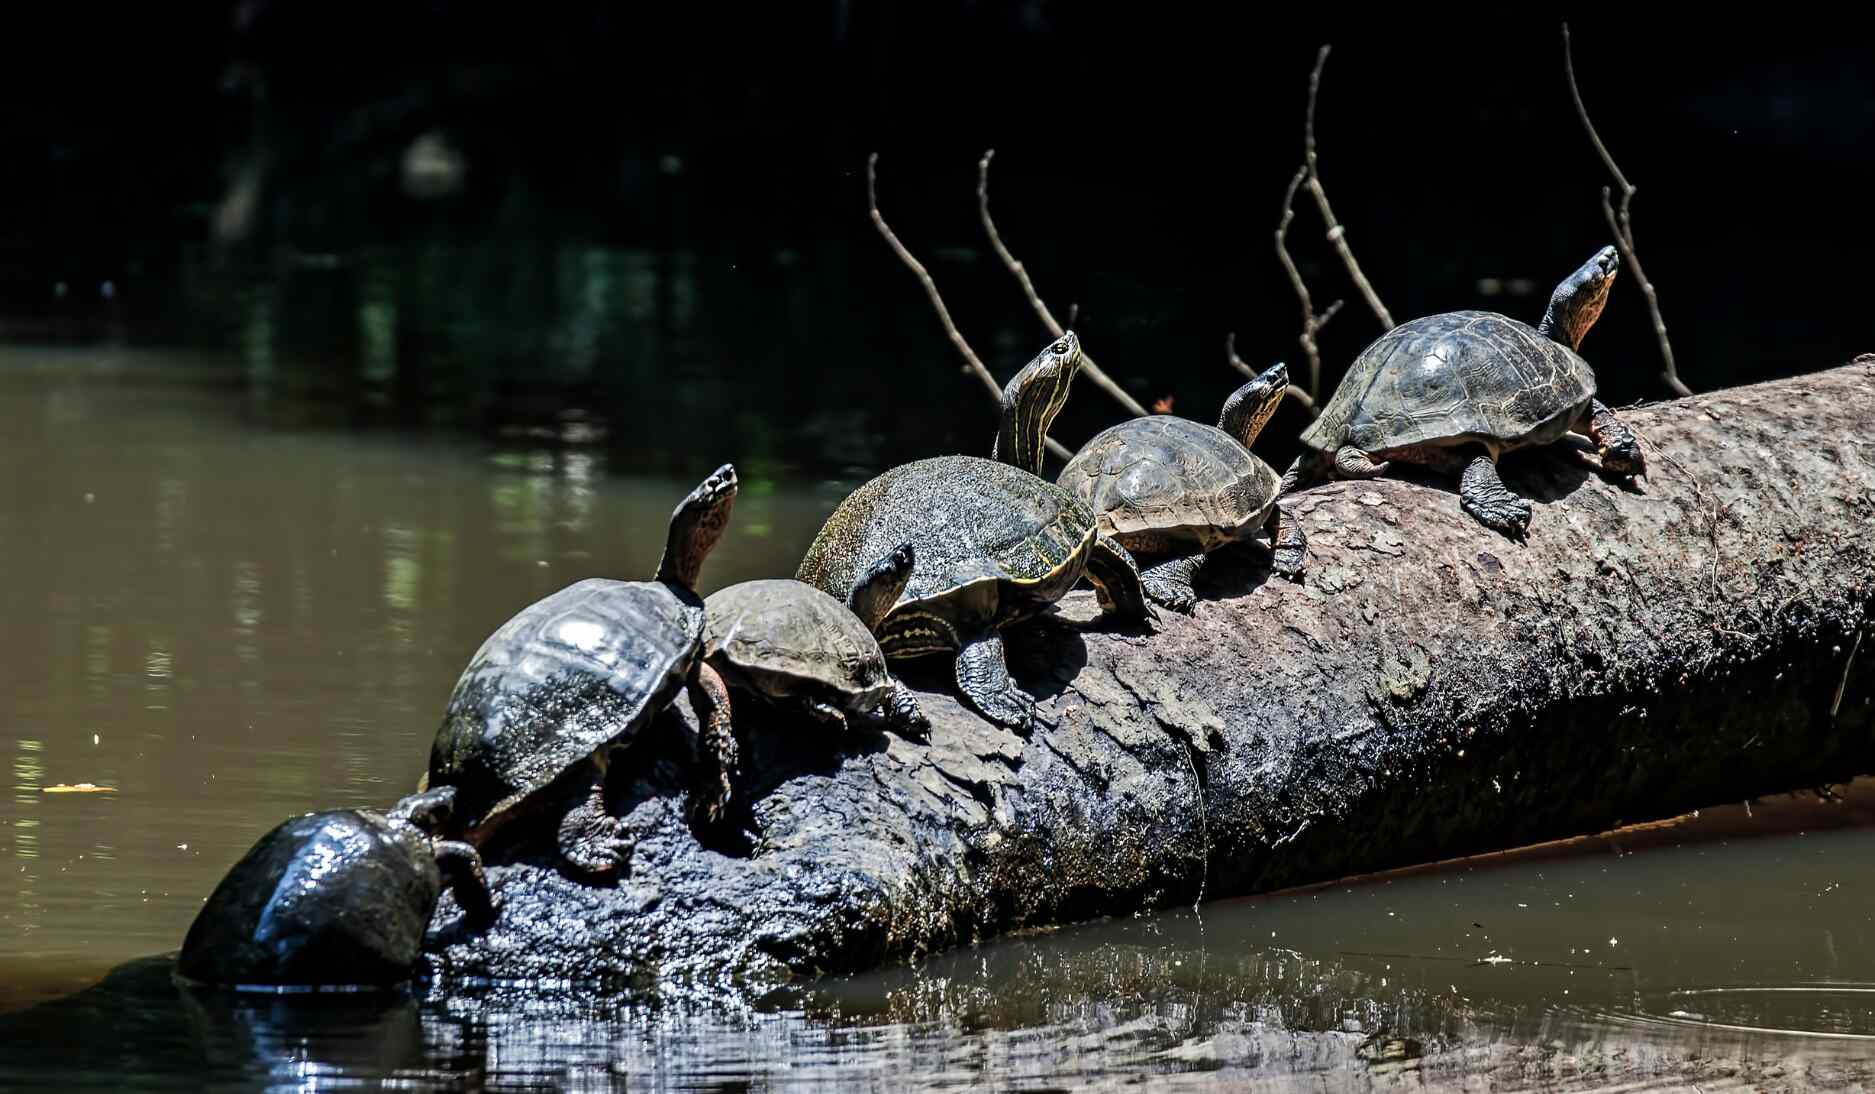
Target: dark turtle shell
point(994, 543)
point(1455, 377)
point(1161, 483)
point(588, 666)
point(778, 634)
point(329, 899)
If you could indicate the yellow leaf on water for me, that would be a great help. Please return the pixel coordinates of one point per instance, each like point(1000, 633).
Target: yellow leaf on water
point(78, 788)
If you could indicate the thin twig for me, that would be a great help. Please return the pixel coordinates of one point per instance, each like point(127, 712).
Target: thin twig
point(1089, 369)
point(1622, 224)
point(972, 363)
point(1337, 234)
point(1302, 397)
point(1843, 684)
point(1311, 323)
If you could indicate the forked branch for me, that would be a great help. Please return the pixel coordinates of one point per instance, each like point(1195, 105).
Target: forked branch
point(972, 363)
point(1622, 225)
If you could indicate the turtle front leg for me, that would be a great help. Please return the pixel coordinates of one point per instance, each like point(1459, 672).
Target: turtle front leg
point(1289, 545)
point(1620, 451)
point(1117, 582)
point(1352, 463)
point(983, 677)
point(1169, 583)
point(461, 867)
point(1484, 496)
point(718, 750)
point(591, 840)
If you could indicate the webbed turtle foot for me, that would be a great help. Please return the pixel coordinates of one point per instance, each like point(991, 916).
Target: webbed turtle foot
point(1482, 494)
point(1169, 583)
point(904, 716)
point(983, 677)
point(594, 842)
point(1621, 458)
point(1286, 561)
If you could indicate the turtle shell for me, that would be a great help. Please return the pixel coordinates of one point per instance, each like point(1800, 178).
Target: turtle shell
point(587, 666)
point(1460, 376)
point(1159, 484)
point(331, 899)
point(780, 634)
point(994, 543)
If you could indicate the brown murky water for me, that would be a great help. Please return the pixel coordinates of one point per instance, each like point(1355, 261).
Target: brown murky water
point(224, 624)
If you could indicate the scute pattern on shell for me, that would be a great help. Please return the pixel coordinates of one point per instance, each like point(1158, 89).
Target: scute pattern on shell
point(587, 665)
point(1163, 480)
point(1453, 376)
point(970, 519)
point(791, 628)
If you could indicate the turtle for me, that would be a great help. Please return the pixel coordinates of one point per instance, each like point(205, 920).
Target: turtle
point(790, 643)
point(1454, 391)
point(547, 699)
point(995, 544)
point(334, 899)
point(1171, 490)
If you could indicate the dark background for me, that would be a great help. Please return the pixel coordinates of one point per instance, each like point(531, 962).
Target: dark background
point(644, 227)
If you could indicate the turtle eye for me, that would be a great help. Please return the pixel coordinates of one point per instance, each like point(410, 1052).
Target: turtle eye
point(1059, 347)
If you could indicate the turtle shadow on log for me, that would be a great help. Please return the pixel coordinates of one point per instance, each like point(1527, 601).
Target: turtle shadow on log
point(1235, 570)
point(1557, 471)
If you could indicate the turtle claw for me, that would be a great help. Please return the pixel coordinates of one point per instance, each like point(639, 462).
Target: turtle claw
point(1168, 594)
point(1622, 460)
point(1482, 494)
point(1509, 515)
point(1286, 561)
point(597, 846)
point(905, 716)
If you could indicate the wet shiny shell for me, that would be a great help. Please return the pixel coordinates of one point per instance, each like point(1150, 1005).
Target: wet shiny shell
point(974, 523)
point(794, 632)
point(1162, 482)
point(589, 665)
point(1455, 377)
point(333, 899)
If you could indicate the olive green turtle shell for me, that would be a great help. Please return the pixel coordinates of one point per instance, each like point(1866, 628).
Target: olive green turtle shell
point(1455, 377)
point(779, 634)
point(1162, 483)
point(589, 665)
point(994, 543)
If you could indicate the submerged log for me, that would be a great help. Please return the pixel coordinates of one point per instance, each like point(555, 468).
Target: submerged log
point(1432, 690)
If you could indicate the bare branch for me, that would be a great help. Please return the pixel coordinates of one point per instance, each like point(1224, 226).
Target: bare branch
point(1089, 369)
point(1302, 397)
point(1622, 224)
point(1337, 234)
point(972, 363)
point(1311, 323)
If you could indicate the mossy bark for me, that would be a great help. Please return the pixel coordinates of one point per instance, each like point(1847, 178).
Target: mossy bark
point(1432, 689)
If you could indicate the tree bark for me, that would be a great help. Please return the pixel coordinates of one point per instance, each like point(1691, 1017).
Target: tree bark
point(1432, 690)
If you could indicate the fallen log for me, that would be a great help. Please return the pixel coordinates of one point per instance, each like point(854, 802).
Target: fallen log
point(1432, 690)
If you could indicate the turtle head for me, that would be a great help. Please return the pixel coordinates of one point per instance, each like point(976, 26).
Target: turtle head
point(427, 811)
point(878, 588)
point(696, 524)
point(1250, 407)
point(1032, 400)
point(1578, 301)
